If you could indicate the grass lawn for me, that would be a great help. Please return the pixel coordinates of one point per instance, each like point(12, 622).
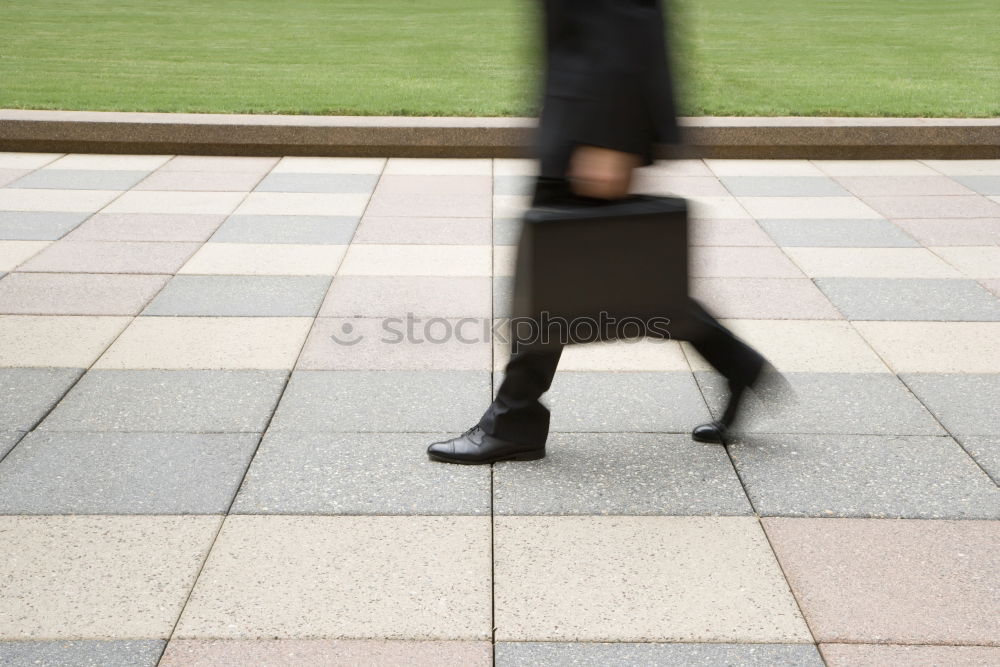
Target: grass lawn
point(479, 57)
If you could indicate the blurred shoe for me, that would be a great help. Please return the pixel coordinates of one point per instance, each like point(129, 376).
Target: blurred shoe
point(767, 384)
point(476, 447)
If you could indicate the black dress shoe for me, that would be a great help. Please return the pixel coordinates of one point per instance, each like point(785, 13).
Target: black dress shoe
point(475, 446)
point(767, 383)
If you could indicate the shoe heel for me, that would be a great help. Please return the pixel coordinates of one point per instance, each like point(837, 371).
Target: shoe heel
point(529, 456)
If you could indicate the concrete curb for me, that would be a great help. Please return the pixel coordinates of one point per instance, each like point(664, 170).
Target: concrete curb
point(715, 137)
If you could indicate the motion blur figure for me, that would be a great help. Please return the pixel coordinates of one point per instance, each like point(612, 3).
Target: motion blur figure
point(608, 101)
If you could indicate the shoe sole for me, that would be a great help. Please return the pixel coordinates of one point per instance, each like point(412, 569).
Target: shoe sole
point(522, 456)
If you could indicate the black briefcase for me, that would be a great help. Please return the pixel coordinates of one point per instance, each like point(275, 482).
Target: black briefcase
point(602, 271)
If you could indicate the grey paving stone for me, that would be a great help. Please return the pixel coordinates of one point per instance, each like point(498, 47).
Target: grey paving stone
point(382, 401)
point(584, 401)
point(36, 225)
point(847, 403)
point(283, 182)
point(503, 296)
point(838, 233)
point(911, 299)
point(309, 229)
point(124, 473)
point(395, 296)
point(359, 473)
point(27, 394)
point(77, 293)
point(986, 450)
point(621, 473)
point(592, 654)
point(80, 179)
point(915, 477)
point(784, 186)
point(241, 296)
point(82, 653)
point(966, 403)
point(513, 185)
point(192, 401)
point(984, 185)
point(7, 441)
point(506, 231)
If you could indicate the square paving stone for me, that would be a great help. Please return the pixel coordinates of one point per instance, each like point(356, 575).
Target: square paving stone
point(92, 653)
point(809, 208)
point(37, 225)
point(307, 229)
point(911, 299)
point(845, 403)
point(147, 227)
point(417, 260)
point(723, 262)
point(107, 577)
point(201, 181)
point(953, 231)
point(241, 296)
point(834, 233)
point(27, 394)
point(344, 577)
point(432, 196)
point(764, 298)
point(625, 402)
point(902, 186)
point(622, 474)
point(184, 401)
point(208, 343)
point(325, 653)
point(398, 344)
point(650, 578)
point(80, 179)
point(727, 233)
point(872, 263)
point(55, 341)
point(77, 293)
point(272, 259)
point(383, 401)
point(593, 654)
point(7, 441)
point(124, 473)
point(875, 655)
point(303, 203)
point(446, 231)
point(785, 186)
point(329, 165)
point(176, 202)
point(959, 206)
point(301, 182)
point(62, 201)
point(395, 296)
point(359, 473)
point(966, 403)
point(983, 184)
point(935, 347)
point(864, 476)
point(985, 449)
point(109, 162)
point(893, 581)
point(111, 257)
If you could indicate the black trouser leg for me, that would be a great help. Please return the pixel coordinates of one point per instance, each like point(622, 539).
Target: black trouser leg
point(516, 414)
point(737, 361)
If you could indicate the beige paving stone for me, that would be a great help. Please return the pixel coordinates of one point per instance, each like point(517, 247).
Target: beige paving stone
point(395, 296)
point(649, 578)
point(111, 257)
point(818, 346)
point(329, 165)
point(966, 167)
point(146, 227)
point(438, 167)
point(56, 341)
point(631, 355)
point(515, 167)
point(432, 196)
point(764, 298)
point(416, 260)
point(175, 343)
point(11, 175)
point(428, 231)
point(303, 203)
point(678, 168)
point(953, 231)
point(510, 206)
point(109, 162)
point(209, 203)
point(77, 293)
point(504, 260)
point(12, 253)
point(902, 186)
point(218, 163)
point(727, 233)
point(344, 577)
point(975, 262)
point(108, 577)
point(654, 183)
point(27, 160)
point(871, 263)
point(59, 201)
point(954, 206)
point(325, 653)
point(201, 181)
point(893, 581)
point(717, 208)
point(936, 347)
point(992, 285)
point(763, 168)
point(727, 262)
point(874, 655)
point(815, 208)
point(275, 259)
point(874, 168)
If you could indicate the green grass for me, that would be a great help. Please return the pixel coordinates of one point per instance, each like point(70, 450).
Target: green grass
point(479, 57)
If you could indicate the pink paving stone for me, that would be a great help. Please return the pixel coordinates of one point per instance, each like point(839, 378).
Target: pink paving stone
point(902, 186)
point(77, 293)
point(992, 285)
point(953, 231)
point(937, 206)
point(432, 196)
point(869, 655)
point(11, 175)
point(893, 580)
point(727, 233)
point(328, 653)
point(147, 227)
point(201, 181)
point(764, 298)
point(724, 262)
point(111, 257)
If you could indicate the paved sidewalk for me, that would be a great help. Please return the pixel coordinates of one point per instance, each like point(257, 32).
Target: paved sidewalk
point(215, 409)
